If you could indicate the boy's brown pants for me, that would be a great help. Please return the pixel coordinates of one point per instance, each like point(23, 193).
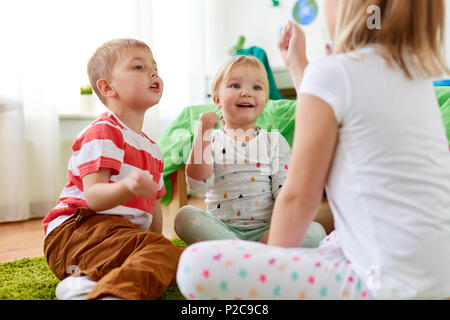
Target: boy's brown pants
point(125, 261)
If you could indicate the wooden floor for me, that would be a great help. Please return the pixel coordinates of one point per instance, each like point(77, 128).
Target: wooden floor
point(25, 239)
point(21, 239)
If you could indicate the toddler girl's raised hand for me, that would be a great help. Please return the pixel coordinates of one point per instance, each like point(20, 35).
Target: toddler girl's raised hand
point(199, 163)
point(209, 120)
point(140, 184)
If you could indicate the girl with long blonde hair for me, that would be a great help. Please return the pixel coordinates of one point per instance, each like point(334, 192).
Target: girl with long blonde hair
point(368, 127)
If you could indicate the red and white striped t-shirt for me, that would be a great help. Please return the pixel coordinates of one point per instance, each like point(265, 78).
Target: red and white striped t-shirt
point(109, 143)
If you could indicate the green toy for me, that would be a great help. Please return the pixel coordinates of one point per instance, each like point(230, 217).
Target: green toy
point(238, 46)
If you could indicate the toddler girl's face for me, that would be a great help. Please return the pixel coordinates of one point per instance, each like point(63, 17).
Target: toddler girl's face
point(135, 78)
point(242, 97)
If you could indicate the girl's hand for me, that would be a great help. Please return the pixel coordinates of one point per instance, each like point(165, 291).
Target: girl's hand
point(292, 45)
point(140, 185)
point(209, 120)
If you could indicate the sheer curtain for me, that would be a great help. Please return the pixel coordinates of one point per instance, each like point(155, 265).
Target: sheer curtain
point(12, 140)
point(45, 48)
point(13, 167)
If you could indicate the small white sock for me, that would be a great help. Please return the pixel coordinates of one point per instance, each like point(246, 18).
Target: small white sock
point(74, 288)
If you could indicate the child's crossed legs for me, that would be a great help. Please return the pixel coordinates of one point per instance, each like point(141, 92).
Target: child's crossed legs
point(193, 225)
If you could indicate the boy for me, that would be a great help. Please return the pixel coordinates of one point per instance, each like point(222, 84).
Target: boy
point(107, 223)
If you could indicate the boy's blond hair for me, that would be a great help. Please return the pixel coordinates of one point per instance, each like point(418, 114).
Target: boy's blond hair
point(411, 34)
point(101, 63)
point(232, 63)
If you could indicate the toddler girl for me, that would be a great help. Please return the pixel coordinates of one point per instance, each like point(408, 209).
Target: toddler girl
point(240, 166)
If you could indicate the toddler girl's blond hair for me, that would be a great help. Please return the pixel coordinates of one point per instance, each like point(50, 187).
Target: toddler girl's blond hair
point(411, 35)
point(224, 71)
point(101, 63)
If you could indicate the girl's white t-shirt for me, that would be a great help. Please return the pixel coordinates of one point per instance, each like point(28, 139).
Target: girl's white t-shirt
point(389, 184)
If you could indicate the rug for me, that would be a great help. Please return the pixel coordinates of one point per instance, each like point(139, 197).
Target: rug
point(31, 279)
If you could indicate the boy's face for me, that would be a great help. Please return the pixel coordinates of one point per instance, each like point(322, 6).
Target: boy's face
point(242, 97)
point(135, 79)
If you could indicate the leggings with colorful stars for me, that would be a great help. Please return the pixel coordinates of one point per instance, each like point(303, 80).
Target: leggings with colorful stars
point(237, 269)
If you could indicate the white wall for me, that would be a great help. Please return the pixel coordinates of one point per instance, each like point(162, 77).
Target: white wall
point(260, 23)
